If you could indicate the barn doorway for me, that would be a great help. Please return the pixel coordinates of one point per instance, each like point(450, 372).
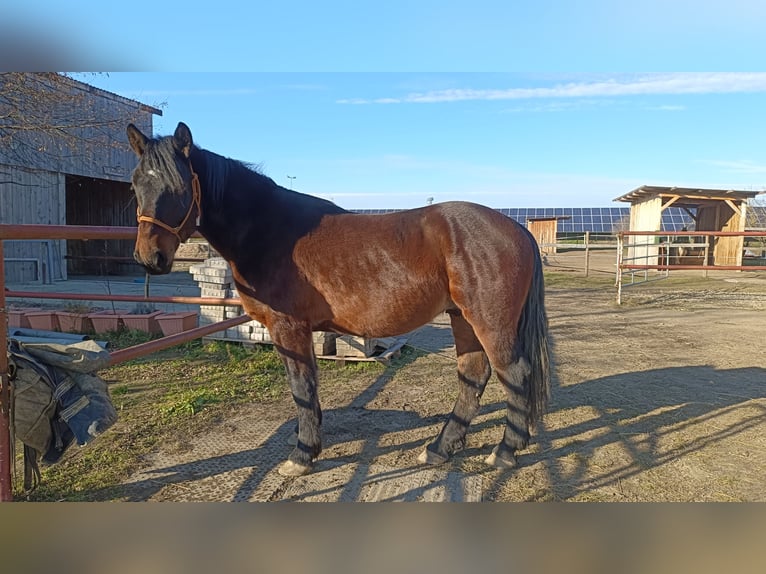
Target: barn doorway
point(103, 202)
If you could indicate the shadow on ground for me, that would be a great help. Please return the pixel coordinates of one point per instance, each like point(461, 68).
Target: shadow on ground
point(600, 439)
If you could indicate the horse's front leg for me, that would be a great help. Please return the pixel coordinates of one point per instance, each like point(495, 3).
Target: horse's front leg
point(293, 342)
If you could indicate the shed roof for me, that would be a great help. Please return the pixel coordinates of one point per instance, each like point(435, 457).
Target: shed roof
point(686, 195)
point(549, 217)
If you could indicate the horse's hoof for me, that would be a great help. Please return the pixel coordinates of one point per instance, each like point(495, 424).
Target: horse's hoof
point(498, 462)
point(429, 457)
point(292, 440)
point(290, 468)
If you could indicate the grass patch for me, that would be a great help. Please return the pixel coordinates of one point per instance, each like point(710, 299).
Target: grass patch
point(558, 279)
point(167, 397)
point(171, 393)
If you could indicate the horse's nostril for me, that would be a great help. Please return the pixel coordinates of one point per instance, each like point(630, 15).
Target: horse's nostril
point(159, 260)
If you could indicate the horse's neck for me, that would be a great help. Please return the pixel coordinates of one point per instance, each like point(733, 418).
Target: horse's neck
point(225, 211)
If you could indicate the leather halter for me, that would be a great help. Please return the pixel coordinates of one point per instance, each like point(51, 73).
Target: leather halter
point(195, 201)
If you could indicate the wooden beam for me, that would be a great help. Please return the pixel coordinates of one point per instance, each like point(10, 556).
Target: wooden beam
point(734, 208)
point(672, 200)
point(692, 198)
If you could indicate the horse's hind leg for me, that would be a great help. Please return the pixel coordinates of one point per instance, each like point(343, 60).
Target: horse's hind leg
point(473, 373)
point(513, 373)
point(502, 348)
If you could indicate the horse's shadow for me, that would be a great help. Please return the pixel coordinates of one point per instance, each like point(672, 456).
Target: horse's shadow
point(649, 403)
point(641, 413)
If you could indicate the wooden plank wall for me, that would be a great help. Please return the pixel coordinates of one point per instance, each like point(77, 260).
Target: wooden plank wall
point(41, 172)
point(644, 216)
point(721, 217)
point(31, 196)
point(544, 232)
point(95, 144)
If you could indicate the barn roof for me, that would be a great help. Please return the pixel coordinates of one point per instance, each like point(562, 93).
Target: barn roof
point(686, 195)
point(110, 95)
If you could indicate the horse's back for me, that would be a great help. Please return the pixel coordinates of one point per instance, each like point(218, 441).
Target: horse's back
point(485, 236)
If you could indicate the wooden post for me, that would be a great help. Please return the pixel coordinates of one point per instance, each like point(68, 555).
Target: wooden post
point(618, 274)
point(6, 461)
point(706, 255)
point(587, 252)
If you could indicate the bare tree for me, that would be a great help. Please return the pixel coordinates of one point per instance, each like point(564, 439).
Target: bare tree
point(49, 119)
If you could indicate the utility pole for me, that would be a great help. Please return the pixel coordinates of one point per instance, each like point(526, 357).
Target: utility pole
point(291, 178)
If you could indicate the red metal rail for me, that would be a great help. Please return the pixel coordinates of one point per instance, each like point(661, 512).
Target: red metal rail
point(124, 298)
point(697, 233)
point(81, 232)
point(697, 267)
point(631, 267)
point(165, 342)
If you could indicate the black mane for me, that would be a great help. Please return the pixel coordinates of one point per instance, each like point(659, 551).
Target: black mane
point(242, 207)
point(220, 172)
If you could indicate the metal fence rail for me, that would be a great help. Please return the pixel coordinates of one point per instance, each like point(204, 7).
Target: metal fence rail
point(81, 232)
point(627, 265)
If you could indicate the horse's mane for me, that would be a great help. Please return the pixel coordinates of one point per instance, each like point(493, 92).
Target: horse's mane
point(220, 172)
point(221, 176)
point(216, 171)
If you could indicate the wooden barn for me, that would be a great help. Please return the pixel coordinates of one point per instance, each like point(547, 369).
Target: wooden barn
point(65, 159)
point(710, 209)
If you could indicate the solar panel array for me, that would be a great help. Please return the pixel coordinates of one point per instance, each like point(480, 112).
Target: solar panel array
point(582, 219)
point(597, 219)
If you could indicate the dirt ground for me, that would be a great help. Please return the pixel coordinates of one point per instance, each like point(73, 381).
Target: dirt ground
point(660, 399)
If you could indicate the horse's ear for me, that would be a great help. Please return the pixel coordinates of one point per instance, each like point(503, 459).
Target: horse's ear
point(183, 138)
point(137, 140)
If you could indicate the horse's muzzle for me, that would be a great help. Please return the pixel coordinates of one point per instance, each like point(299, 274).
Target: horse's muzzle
point(155, 264)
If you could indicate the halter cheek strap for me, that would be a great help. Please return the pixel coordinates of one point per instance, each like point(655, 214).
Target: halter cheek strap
point(195, 202)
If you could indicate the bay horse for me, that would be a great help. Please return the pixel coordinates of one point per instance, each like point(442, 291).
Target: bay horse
point(303, 264)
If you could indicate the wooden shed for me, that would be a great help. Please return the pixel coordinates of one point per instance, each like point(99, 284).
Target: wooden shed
point(711, 210)
point(544, 230)
point(65, 159)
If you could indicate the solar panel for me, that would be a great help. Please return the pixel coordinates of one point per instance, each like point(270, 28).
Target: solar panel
point(599, 219)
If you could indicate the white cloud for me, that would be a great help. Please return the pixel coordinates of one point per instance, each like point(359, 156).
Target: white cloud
point(741, 166)
point(650, 84)
point(667, 108)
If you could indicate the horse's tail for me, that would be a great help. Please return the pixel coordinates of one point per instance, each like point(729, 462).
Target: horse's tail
point(534, 342)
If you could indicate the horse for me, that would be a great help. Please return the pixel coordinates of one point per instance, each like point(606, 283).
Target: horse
point(303, 264)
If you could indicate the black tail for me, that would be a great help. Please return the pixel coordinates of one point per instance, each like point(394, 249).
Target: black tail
point(535, 344)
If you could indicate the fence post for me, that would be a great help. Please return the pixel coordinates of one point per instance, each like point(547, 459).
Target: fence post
point(618, 274)
point(587, 252)
point(6, 461)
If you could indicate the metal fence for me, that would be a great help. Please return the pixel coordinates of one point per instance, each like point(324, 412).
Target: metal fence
point(663, 251)
point(81, 232)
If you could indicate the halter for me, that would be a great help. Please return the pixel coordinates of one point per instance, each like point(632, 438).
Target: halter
point(195, 201)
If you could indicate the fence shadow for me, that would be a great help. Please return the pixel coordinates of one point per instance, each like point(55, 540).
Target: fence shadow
point(642, 414)
point(700, 404)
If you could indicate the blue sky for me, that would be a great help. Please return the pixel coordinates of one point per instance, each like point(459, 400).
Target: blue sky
point(510, 103)
point(393, 140)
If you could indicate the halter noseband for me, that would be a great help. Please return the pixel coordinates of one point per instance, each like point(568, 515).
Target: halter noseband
point(195, 201)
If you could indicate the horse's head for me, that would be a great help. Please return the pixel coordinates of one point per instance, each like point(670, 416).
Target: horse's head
point(167, 195)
